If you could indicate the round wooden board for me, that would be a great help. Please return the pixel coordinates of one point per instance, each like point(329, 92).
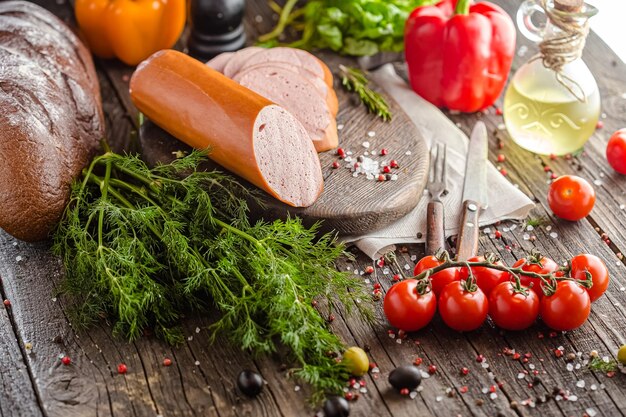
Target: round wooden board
point(349, 205)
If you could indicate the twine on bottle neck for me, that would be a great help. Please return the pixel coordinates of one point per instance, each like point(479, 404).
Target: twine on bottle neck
point(564, 47)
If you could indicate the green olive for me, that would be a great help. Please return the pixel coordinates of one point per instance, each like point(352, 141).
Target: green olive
point(356, 361)
point(621, 354)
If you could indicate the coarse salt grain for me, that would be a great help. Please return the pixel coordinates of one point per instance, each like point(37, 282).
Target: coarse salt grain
point(597, 182)
point(554, 235)
point(530, 227)
point(591, 412)
point(493, 395)
point(386, 271)
point(197, 330)
point(425, 375)
point(18, 258)
point(365, 144)
point(486, 230)
point(438, 398)
point(580, 384)
point(407, 267)
point(521, 375)
point(413, 394)
point(296, 388)
point(371, 133)
point(572, 398)
point(339, 126)
point(569, 367)
point(197, 363)
point(526, 236)
point(408, 153)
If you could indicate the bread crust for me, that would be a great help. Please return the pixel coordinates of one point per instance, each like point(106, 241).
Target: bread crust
point(51, 121)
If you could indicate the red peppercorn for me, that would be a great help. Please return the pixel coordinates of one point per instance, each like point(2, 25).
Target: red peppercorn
point(480, 358)
point(516, 356)
point(373, 365)
point(167, 362)
point(432, 369)
point(493, 388)
point(501, 384)
point(558, 353)
point(340, 151)
point(386, 169)
point(528, 355)
point(352, 381)
point(501, 158)
point(600, 124)
point(568, 156)
point(380, 263)
point(65, 360)
point(610, 374)
point(553, 334)
point(314, 303)
point(463, 389)
point(7, 303)
point(331, 318)
point(417, 361)
point(546, 169)
point(401, 334)
point(396, 277)
point(335, 165)
point(381, 178)
point(349, 396)
point(393, 163)
point(377, 286)
point(464, 371)
point(369, 269)
point(383, 152)
point(404, 391)
point(498, 234)
point(503, 172)
point(553, 176)
point(121, 368)
point(498, 111)
point(362, 383)
point(540, 335)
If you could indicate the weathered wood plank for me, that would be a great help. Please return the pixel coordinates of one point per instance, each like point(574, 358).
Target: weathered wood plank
point(17, 395)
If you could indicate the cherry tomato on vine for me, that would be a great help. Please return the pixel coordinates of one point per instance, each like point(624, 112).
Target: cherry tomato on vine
point(406, 309)
point(439, 280)
point(511, 309)
point(616, 151)
point(539, 265)
point(486, 278)
point(566, 309)
point(597, 269)
point(571, 197)
point(463, 310)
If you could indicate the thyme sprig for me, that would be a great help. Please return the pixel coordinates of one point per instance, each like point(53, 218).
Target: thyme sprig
point(141, 246)
point(353, 79)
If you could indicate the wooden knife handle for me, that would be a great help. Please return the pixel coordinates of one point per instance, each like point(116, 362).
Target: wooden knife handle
point(435, 230)
point(467, 241)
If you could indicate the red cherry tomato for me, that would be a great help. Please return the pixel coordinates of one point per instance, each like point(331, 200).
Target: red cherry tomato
point(513, 310)
point(566, 309)
point(486, 278)
point(439, 280)
point(406, 309)
point(597, 269)
point(539, 265)
point(571, 197)
point(616, 151)
point(462, 310)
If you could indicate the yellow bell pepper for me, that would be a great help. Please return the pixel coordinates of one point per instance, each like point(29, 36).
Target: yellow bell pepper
point(130, 30)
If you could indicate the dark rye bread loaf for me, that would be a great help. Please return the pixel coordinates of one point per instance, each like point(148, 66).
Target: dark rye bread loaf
point(51, 119)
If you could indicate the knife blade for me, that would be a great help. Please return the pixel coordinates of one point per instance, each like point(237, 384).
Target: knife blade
point(474, 192)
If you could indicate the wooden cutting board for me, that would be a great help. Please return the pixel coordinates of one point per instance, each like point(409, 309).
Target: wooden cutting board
point(348, 205)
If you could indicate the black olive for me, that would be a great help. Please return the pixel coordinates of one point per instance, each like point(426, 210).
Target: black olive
point(405, 377)
point(336, 407)
point(250, 383)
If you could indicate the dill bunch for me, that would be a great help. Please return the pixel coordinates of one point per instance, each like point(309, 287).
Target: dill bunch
point(140, 246)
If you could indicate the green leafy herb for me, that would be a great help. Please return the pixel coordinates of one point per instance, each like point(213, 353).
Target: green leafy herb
point(535, 221)
point(350, 27)
point(598, 364)
point(140, 246)
point(354, 79)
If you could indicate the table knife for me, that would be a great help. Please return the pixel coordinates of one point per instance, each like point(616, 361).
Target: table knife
point(474, 192)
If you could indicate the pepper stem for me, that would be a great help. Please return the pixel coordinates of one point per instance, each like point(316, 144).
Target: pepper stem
point(462, 7)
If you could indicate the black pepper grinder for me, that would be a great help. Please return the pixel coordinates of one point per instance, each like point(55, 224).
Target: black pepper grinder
point(216, 27)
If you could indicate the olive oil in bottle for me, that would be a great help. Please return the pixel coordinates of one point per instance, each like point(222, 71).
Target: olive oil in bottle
point(552, 103)
point(544, 117)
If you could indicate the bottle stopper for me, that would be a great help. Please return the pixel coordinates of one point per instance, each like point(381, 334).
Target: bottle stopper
point(570, 6)
point(216, 26)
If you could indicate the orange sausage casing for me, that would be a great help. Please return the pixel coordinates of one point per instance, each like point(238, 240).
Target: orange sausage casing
point(246, 133)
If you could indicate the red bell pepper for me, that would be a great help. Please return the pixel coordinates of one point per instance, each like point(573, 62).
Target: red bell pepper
point(459, 57)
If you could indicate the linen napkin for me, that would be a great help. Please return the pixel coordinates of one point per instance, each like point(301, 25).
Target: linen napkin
point(505, 200)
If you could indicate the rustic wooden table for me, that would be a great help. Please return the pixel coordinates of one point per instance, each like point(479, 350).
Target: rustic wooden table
point(35, 331)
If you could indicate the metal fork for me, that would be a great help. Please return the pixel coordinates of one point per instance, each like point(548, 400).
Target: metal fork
point(436, 186)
